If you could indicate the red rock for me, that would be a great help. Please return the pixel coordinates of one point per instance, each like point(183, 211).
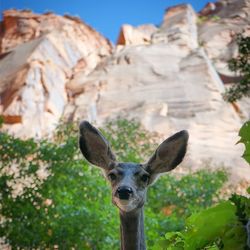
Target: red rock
point(130, 35)
point(12, 119)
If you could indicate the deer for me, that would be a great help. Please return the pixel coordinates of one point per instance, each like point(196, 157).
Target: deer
point(129, 181)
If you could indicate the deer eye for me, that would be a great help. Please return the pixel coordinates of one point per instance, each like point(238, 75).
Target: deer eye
point(145, 178)
point(112, 176)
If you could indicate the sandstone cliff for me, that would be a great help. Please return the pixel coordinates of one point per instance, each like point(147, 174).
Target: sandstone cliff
point(218, 25)
point(40, 54)
point(168, 77)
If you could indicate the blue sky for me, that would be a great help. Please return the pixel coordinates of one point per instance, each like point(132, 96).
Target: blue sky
point(105, 16)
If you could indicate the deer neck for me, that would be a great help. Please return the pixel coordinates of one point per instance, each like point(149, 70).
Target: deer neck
point(132, 230)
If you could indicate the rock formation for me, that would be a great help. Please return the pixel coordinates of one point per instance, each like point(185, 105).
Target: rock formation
point(166, 77)
point(218, 29)
point(40, 54)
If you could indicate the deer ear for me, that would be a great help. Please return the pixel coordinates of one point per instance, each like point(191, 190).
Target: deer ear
point(169, 154)
point(94, 147)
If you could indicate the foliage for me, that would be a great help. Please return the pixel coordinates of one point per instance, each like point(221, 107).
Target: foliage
point(181, 197)
point(129, 140)
point(224, 226)
point(62, 210)
point(241, 66)
point(220, 227)
point(245, 139)
point(50, 197)
point(1, 121)
point(213, 228)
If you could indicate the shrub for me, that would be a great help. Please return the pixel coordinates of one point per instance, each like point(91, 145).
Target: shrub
point(224, 226)
point(179, 197)
point(241, 66)
point(62, 209)
point(129, 140)
point(220, 227)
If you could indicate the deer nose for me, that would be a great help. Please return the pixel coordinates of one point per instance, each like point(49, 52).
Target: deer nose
point(124, 192)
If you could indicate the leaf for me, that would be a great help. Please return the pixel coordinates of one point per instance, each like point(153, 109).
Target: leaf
point(174, 241)
point(216, 222)
point(244, 133)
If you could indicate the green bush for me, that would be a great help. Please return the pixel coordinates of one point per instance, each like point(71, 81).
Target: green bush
point(50, 197)
point(241, 66)
point(129, 140)
point(69, 208)
point(220, 227)
point(214, 228)
point(224, 226)
point(181, 197)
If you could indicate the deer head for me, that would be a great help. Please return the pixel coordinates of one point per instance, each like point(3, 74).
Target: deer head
point(129, 181)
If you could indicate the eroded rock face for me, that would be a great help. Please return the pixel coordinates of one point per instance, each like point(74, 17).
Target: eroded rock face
point(161, 76)
point(18, 27)
point(218, 25)
point(179, 24)
point(130, 35)
point(169, 84)
point(41, 54)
